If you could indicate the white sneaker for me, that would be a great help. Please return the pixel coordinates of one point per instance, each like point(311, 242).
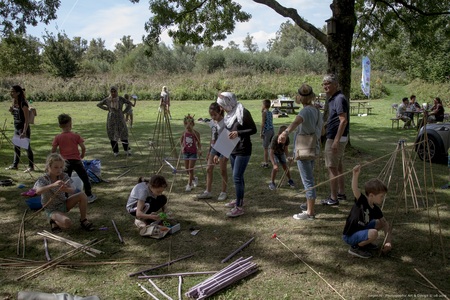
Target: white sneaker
point(91, 198)
point(222, 196)
point(116, 154)
point(195, 182)
point(188, 188)
point(205, 195)
point(231, 204)
point(128, 153)
point(304, 216)
point(235, 212)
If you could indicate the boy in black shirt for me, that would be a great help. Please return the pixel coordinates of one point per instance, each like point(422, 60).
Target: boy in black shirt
point(365, 218)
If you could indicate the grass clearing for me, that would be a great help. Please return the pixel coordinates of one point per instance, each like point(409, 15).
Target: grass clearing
point(282, 276)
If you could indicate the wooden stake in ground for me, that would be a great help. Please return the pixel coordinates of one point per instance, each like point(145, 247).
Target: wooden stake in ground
point(117, 231)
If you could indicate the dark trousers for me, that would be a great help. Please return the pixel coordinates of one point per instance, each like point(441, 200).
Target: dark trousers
point(29, 154)
point(115, 146)
point(154, 204)
point(77, 166)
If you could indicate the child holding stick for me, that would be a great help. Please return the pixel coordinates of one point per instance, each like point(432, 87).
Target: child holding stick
point(366, 219)
point(278, 154)
point(191, 148)
point(217, 125)
point(53, 187)
point(146, 199)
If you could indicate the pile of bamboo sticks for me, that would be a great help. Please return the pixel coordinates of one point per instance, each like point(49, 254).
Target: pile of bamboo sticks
point(54, 262)
point(88, 250)
point(236, 271)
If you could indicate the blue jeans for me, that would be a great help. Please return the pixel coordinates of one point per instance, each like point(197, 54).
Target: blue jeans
point(238, 166)
point(306, 169)
point(359, 236)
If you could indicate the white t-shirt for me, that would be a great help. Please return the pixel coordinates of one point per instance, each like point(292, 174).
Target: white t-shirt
point(140, 192)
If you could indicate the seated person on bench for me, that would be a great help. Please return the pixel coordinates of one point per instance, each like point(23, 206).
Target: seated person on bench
point(401, 113)
point(436, 113)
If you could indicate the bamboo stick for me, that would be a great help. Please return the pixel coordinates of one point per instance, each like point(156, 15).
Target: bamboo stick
point(124, 173)
point(435, 287)
point(160, 266)
point(237, 250)
point(180, 283)
point(159, 290)
point(67, 241)
point(177, 274)
point(21, 233)
point(147, 291)
point(47, 255)
point(117, 231)
point(49, 200)
point(52, 263)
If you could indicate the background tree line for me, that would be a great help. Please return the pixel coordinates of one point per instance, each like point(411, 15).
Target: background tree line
point(292, 50)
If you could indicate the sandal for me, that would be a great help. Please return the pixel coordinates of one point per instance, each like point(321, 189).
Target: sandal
point(55, 227)
point(86, 225)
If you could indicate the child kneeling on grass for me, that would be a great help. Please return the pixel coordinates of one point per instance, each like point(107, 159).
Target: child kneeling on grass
point(278, 155)
point(53, 187)
point(146, 199)
point(366, 219)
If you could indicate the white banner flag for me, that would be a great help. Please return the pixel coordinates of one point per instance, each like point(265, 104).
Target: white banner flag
point(365, 78)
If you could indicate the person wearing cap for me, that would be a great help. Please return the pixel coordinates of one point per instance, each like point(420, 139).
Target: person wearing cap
point(337, 138)
point(308, 121)
point(116, 128)
point(240, 124)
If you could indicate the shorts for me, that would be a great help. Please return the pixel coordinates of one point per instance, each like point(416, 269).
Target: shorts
point(60, 208)
point(190, 156)
point(267, 137)
point(332, 160)
point(214, 152)
point(280, 158)
point(359, 236)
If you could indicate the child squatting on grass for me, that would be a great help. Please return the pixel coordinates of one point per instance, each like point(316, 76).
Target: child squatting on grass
point(191, 148)
point(146, 199)
point(366, 218)
point(53, 187)
point(278, 155)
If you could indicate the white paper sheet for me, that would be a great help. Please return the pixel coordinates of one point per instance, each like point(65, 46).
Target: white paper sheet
point(22, 143)
point(224, 145)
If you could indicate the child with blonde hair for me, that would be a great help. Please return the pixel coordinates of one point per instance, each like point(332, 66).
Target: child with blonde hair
point(53, 187)
point(191, 149)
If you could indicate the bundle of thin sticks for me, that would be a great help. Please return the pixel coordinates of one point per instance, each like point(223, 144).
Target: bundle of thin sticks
point(56, 261)
point(88, 250)
point(16, 263)
point(236, 271)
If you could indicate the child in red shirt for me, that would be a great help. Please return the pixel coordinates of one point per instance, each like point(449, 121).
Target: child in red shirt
point(68, 143)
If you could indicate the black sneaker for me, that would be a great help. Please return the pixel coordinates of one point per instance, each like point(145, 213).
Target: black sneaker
point(330, 202)
point(341, 197)
point(370, 246)
point(357, 251)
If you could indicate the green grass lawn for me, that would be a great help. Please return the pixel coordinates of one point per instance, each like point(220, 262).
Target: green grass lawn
point(418, 234)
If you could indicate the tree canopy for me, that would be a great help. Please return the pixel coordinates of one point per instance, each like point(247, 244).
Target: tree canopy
point(16, 15)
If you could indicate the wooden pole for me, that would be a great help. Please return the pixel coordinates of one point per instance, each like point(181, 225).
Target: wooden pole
point(237, 250)
point(160, 266)
point(117, 231)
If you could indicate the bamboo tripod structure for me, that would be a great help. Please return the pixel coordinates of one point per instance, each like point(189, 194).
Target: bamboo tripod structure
point(409, 180)
point(162, 141)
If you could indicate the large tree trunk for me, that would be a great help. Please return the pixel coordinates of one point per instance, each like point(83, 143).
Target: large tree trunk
point(339, 45)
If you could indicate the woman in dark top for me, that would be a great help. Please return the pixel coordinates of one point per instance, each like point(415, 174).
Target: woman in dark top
point(436, 113)
point(240, 124)
point(20, 111)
